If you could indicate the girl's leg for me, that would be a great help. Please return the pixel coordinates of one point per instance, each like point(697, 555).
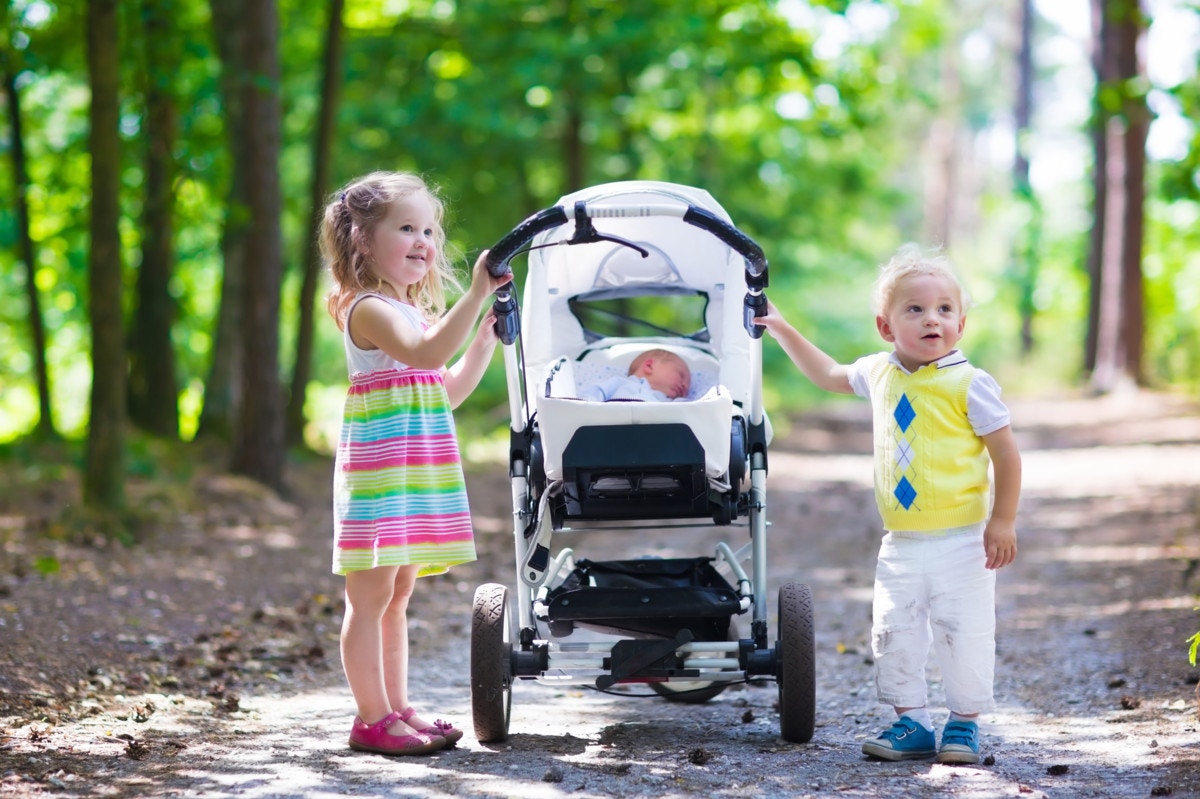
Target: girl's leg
point(369, 594)
point(395, 639)
point(395, 645)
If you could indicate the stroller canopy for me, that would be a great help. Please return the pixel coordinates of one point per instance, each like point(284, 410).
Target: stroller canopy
point(681, 258)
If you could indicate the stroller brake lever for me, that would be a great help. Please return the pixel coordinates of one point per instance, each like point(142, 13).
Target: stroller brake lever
point(586, 233)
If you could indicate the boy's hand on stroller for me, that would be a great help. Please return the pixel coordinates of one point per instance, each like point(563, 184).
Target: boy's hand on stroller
point(771, 319)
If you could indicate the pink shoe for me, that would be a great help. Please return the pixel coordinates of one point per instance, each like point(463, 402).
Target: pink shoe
point(440, 729)
point(375, 738)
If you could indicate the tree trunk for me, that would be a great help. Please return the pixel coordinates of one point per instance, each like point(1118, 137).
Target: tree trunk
point(1130, 34)
point(12, 101)
point(258, 445)
point(1120, 320)
point(153, 387)
point(223, 388)
point(1099, 182)
point(941, 190)
point(1028, 239)
point(330, 88)
point(104, 475)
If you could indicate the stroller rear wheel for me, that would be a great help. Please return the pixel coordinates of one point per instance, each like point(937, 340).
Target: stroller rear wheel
point(795, 664)
point(491, 663)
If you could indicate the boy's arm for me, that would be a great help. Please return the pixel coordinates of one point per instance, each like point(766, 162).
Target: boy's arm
point(816, 365)
point(1000, 535)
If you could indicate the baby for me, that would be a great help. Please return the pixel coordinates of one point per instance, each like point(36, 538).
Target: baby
point(656, 375)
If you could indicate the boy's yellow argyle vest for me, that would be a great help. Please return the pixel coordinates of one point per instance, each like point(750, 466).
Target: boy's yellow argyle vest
point(931, 469)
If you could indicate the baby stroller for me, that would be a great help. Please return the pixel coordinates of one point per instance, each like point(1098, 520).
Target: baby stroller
point(611, 270)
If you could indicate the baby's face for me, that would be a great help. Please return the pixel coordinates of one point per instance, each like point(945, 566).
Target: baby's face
point(671, 376)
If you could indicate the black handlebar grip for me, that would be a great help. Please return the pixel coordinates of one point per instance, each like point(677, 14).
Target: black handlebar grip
point(756, 260)
point(508, 323)
point(754, 306)
point(518, 237)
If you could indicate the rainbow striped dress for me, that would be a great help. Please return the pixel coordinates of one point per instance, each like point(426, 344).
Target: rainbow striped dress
point(399, 495)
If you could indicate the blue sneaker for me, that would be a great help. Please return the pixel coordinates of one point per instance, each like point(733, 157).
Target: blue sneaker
point(906, 740)
point(960, 743)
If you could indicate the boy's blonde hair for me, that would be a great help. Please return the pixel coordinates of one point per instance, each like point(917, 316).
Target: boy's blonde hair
point(347, 227)
point(910, 261)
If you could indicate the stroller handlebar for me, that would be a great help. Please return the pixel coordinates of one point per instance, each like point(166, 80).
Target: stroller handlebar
point(756, 260)
point(518, 237)
point(522, 234)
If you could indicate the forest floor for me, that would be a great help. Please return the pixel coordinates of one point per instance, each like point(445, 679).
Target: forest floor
point(203, 661)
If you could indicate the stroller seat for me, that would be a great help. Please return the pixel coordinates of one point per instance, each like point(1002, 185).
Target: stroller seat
point(631, 459)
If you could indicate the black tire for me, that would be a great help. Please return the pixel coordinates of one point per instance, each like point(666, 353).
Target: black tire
point(688, 693)
point(795, 664)
point(491, 664)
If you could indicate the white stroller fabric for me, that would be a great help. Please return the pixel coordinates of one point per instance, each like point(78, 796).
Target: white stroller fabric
point(561, 413)
point(682, 257)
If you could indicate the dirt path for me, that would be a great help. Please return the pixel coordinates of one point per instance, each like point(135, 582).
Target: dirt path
point(207, 666)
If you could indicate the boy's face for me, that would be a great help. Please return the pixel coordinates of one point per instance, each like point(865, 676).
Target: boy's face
point(924, 321)
point(671, 376)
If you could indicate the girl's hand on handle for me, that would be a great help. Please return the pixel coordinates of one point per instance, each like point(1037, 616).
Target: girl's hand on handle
point(486, 335)
point(483, 282)
point(462, 378)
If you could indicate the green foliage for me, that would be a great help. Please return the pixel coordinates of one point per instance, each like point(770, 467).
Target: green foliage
point(804, 119)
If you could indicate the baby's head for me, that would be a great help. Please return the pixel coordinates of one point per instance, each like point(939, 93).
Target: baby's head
point(909, 261)
point(664, 371)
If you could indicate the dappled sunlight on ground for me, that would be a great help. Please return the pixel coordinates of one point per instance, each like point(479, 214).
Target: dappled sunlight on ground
point(205, 663)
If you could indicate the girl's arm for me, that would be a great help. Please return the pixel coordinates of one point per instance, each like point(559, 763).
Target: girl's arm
point(1000, 535)
point(462, 378)
point(375, 323)
point(816, 365)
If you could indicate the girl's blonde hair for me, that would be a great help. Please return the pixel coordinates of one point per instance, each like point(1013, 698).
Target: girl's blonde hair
point(910, 261)
point(347, 227)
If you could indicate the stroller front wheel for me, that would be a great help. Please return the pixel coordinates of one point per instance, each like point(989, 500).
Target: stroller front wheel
point(491, 663)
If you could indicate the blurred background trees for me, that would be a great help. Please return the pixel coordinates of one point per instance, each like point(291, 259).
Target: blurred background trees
point(163, 162)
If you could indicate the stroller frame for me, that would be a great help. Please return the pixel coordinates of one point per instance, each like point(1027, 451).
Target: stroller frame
point(672, 617)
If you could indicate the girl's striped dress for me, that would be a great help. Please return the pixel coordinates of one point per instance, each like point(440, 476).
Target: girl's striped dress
point(399, 494)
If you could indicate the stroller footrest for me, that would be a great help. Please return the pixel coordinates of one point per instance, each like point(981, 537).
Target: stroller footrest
point(630, 657)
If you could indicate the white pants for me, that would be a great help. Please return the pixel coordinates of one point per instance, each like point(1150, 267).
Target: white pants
point(933, 588)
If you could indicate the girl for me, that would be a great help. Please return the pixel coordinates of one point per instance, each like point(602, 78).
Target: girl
point(400, 503)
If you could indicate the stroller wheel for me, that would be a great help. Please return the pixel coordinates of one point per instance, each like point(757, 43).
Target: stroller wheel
point(795, 664)
point(688, 693)
point(491, 663)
